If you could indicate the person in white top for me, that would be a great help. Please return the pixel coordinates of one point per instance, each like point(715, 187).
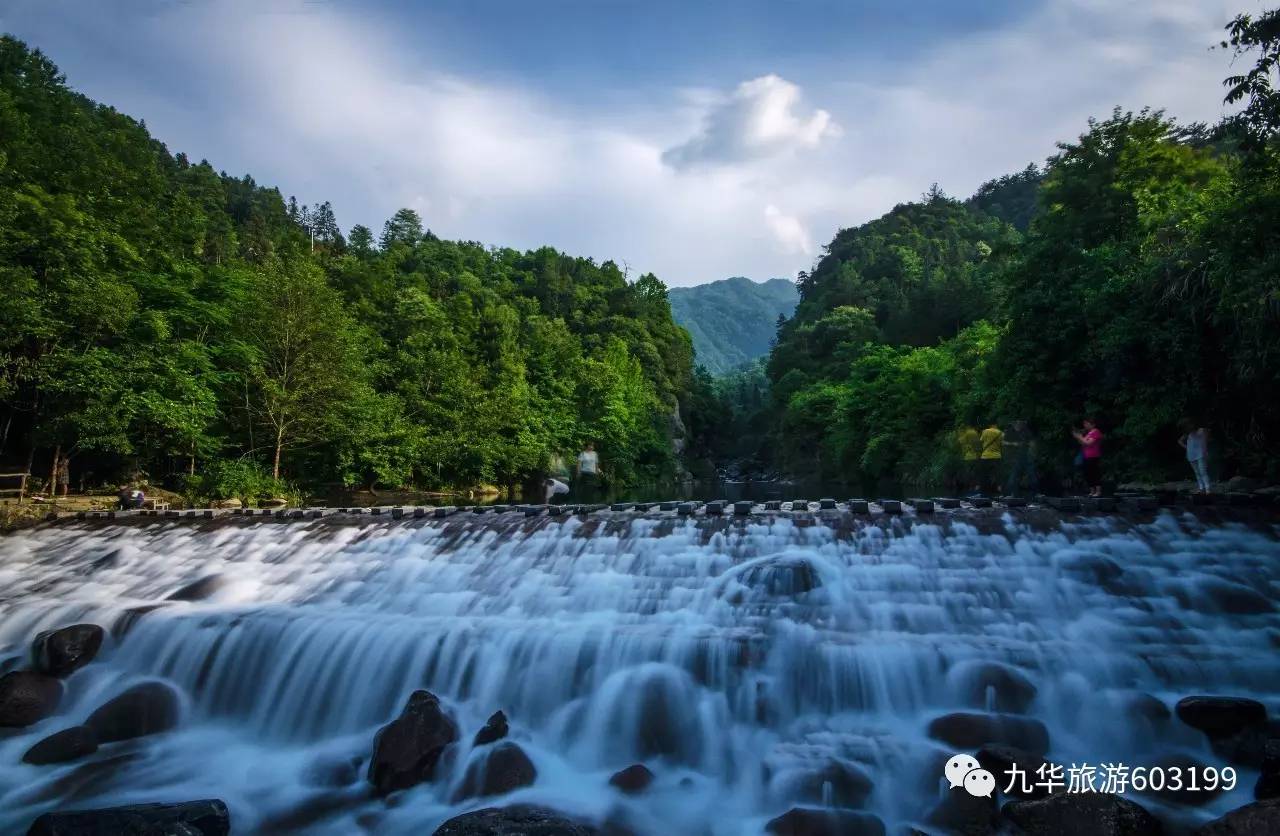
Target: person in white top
point(588, 472)
point(1195, 440)
point(553, 487)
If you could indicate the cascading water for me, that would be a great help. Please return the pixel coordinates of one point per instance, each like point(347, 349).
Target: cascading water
point(753, 664)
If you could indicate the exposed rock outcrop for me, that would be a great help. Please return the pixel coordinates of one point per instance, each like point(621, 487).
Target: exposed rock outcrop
point(517, 820)
point(27, 697)
point(146, 708)
point(1221, 716)
point(965, 730)
point(62, 652)
point(495, 728)
point(806, 821)
point(406, 750)
point(191, 818)
point(634, 779)
point(61, 747)
point(499, 771)
point(1095, 814)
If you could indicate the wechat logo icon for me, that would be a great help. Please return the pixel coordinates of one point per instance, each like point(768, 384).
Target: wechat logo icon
point(964, 771)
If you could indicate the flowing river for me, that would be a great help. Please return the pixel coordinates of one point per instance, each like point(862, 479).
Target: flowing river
point(753, 664)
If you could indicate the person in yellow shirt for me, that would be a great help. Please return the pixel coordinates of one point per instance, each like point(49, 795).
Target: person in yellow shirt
point(990, 457)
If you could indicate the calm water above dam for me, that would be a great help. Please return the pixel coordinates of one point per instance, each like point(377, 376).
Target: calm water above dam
point(753, 664)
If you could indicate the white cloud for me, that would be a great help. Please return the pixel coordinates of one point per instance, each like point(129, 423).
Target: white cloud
point(759, 119)
point(751, 182)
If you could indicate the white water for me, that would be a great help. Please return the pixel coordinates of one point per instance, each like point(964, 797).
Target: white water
point(690, 645)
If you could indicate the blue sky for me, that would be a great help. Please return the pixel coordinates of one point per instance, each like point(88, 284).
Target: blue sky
point(694, 139)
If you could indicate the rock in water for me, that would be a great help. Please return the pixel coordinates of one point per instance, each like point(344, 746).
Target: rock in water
point(498, 772)
point(1262, 818)
point(964, 814)
point(60, 747)
point(205, 818)
point(517, 820)
point(1268, 785)
point(1009, 689)
point(633, 779)
point(849, 785)
point(27, 697)
point(804, 821)
point(146, 708)
point(494, 729)
point(1082, 814)
point(199, 590)
point(62, 652)
point(406, 750)
point(970, 731)
point(1000, 761)
point(1221, 716)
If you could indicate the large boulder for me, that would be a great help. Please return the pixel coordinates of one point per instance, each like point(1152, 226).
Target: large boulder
point(1268, 785)
point(27, 697)
point(406, 750)
point(965, 730)
point(806, 821)
point(1081, 814)
point(146, 708)
point(191, 818)
point(501, 770)
point(62, 652)
point(1261, 818)
point(635, 778)
point(992, 686)
point(494, 729)
point(1221, 716)
point(60, 747)
point(849, 786)
point(517, 820)
point(963, 814)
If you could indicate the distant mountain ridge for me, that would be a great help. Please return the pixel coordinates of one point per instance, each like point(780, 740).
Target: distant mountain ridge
point(732, 321)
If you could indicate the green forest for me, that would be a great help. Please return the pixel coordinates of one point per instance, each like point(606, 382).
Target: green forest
point(163, 318)
point(166, 319)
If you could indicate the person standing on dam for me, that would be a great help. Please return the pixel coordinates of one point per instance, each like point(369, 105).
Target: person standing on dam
point(587, 472)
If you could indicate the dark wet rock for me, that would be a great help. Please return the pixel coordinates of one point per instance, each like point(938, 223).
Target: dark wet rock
point(964, 730)
point(1081, 814)
point(1261, 818)
point(1268, 785)
point(62, 652)
point(849, 785)
point(406, 750)
point(303, 814)
point(146, 708)
point(1235, 598)
point(1221, 716)
point(1009, 689)
point(1000, 761)
point(130, 617)
point(27, 697)
point(781, 576)
point(517, 820)
point(1186, 765)
point(333, 771)
point(1248, 746)
point(60, 747)
point(495, 728)
point(501, 770)
point(1146, 708)
point(10, 664)
point(199, 590)
point(633, 779)
point(806, 821)
point(963, 814)
point(206, 818)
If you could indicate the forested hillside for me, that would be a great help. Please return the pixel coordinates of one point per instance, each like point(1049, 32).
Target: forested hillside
point(165, 318)
point(1142, 292)
point(732, 321)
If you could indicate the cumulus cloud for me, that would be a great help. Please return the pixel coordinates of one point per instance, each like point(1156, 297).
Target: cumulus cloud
point(761, 118)
point(788, 231)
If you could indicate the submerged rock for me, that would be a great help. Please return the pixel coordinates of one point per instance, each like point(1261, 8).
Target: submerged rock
point(495, 728)
point(635, 778)
point(1081, 814)
point(1221, 716)
point(146, 708)
point(780, 576)
point(199, 590)
point(205, 818)
point(1006, 688)
point(970, 731)
point(27, 697)
point(1261, 818)
point(406, 750)
point(849, 785)
point(60, 747)
point(503, 769)
point(517, 820)
point(62, 652)
point(806, 821)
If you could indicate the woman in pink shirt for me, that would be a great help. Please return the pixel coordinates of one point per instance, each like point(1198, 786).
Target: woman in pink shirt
point(1091, 449)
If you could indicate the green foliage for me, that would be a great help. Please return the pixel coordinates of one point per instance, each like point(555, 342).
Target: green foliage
point(242, 479)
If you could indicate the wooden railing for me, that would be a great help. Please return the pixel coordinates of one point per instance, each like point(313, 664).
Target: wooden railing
point(21, 490)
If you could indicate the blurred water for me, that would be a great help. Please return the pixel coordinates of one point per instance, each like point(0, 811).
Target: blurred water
point(735, 657)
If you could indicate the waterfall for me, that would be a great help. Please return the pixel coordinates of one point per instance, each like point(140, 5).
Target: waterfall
point(738, 658)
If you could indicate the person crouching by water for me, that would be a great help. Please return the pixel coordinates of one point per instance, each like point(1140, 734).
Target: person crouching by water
point(1195, 440)
point(587, 472)
point(128, 499)
point(1090, 440)
point(552, 487)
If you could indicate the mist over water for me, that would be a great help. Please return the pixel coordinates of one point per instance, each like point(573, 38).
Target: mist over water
point(735, 657)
